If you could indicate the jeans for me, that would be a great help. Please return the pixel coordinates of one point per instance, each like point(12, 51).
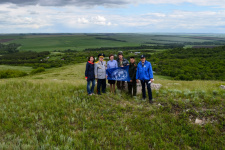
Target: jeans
point(143, 82)
point(101, 83)
point(90, 91)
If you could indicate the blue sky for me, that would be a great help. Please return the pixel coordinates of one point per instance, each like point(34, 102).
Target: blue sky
point(112, 16)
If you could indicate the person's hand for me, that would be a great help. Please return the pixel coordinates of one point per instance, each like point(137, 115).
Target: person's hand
point(86, 79)
point(137, 81)
point(151, 80)
point(106, 76)
point(130, 80)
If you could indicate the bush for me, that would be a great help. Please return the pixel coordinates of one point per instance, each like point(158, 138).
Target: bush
point(11, 74)
point(38, 70)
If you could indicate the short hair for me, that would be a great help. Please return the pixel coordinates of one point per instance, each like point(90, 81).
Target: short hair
point(90, 57)
point(120, 53)
point(110, 55)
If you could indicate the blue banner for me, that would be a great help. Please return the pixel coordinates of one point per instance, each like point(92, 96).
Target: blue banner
point(119, 74)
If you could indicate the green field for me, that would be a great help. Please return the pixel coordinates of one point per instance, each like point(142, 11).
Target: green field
point(51, 42)
point(52, 110)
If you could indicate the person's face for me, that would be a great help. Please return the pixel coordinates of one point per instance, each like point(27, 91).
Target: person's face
point(91, 59)
point(132, 60)
point(120, 57)
point(112, 58)
point(143, 59)
point(100, 58)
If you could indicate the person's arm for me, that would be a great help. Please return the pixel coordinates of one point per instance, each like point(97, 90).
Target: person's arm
point(150, 72)
point(108, 67)
point(96, 75)
point(116, 64)
point(137, 75)
point(134, 72)
point(126, 63)
point(86, 71)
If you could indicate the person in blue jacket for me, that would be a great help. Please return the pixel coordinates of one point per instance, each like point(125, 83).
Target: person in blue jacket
point(90, 75)
point(145, 75)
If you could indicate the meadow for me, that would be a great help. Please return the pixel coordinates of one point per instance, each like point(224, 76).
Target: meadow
point(51, 110)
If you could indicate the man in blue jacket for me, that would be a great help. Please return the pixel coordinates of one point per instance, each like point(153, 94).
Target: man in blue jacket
point(145, 75)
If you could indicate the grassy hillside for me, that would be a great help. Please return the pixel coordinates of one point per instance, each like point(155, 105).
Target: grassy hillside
point(51, 110)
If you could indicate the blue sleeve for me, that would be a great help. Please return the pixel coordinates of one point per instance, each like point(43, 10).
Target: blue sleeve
point(150, 71)
point(116, 64)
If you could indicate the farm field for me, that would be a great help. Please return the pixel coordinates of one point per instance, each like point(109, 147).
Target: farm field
point(51, 42)
point(51, 110)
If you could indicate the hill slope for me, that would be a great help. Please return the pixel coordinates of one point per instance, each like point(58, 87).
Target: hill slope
point(52, 110)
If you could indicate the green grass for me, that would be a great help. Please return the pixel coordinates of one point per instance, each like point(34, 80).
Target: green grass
point(51, 110)
point(20, 68)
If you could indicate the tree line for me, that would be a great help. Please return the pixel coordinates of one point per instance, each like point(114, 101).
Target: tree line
point(158, 46)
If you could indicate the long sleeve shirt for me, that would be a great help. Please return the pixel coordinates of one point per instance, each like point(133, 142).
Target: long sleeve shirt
point(112, 64)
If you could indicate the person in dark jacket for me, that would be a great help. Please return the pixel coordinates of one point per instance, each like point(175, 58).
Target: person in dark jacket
point(122, 62)
point(132, 73)
point(145, 75)
point(90, 75)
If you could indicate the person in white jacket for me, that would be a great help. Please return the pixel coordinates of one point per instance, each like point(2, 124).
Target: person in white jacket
point(100, 73)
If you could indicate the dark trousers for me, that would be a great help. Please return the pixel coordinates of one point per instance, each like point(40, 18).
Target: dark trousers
point(143, 82)
point(120, 85)
point(132, 85)
point(101, 83)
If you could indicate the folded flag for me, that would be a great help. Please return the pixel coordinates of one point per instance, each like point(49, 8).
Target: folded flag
point(119, 74)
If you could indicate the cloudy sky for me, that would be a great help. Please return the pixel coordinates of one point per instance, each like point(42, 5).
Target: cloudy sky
point(100, 16)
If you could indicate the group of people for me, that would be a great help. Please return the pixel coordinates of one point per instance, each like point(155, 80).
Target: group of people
point(138, 72)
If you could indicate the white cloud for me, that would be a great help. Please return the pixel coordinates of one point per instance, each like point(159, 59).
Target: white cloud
point(37, 18)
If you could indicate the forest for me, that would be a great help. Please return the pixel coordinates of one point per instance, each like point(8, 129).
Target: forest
point(191, 63)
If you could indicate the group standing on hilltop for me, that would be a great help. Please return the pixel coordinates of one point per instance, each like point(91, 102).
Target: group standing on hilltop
point(137, 72)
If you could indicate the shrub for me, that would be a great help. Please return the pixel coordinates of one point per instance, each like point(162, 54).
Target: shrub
point(11, 74)
point(38, 70)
